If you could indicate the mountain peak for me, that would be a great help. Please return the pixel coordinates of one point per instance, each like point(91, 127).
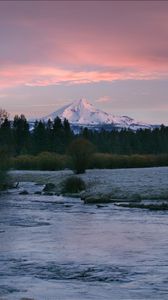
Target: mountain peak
point(81, 112)
point(81, 103)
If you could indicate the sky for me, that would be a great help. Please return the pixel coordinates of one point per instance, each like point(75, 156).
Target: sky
point(114, 53)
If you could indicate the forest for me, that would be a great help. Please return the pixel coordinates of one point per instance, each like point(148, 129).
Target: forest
point(18, 138)
point(50, 142)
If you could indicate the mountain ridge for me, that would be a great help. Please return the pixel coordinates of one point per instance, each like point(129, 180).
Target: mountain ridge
point(83, 114)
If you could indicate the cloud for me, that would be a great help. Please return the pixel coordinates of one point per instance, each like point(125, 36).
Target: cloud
point(58, 41)
point(34, 105)
point(3, 96)
point(43, 76)
point(103, 99)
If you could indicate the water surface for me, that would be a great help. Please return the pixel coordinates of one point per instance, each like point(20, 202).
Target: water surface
point(58, 248)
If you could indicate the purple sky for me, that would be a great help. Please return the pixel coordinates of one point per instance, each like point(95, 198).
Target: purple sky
point(115, 54)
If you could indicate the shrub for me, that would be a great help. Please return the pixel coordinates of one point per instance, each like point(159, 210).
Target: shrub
point(73, 185)
point(80, 159)
point(24, 162)
point(51, 161)
point(112, 161)
point(109, 161)
point(43, 161)
point(3, 180)
point(4, 166)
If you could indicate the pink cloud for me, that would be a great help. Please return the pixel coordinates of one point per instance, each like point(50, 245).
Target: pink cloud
point(103, 99)
point(26, 75)
point(82, 42)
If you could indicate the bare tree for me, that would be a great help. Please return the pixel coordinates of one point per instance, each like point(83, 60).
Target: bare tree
point(3, 115)
point(81, 151)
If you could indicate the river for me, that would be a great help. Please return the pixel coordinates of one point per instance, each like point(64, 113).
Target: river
point(58, 248)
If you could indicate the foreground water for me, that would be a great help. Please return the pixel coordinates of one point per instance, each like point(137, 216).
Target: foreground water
point(58, 248)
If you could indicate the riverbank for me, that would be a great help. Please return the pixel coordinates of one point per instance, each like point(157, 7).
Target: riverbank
point(107, 185)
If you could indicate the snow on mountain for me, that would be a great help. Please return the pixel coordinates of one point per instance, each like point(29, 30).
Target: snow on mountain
point(82, 113)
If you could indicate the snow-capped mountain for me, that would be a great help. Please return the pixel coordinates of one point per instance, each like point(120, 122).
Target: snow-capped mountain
point(82, 113)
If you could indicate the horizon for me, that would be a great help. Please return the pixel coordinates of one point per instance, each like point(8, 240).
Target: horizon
point(78, 102)
point(114, 54)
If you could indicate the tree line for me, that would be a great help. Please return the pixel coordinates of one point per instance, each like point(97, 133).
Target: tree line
point(20, 137)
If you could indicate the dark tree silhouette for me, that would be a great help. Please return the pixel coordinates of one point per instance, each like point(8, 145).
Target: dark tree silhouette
point(81, 151)
point(21, 134)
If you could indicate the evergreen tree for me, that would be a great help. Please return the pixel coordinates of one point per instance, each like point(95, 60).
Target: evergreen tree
point(49, 129)
point(39, 137)
point(6, 137)
point(21, 134)
point(57, 136)
point(68, 134)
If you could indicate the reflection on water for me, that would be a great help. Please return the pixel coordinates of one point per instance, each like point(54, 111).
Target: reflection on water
point(59, 248)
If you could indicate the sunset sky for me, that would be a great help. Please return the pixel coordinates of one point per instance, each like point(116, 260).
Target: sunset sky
point(115, 54)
